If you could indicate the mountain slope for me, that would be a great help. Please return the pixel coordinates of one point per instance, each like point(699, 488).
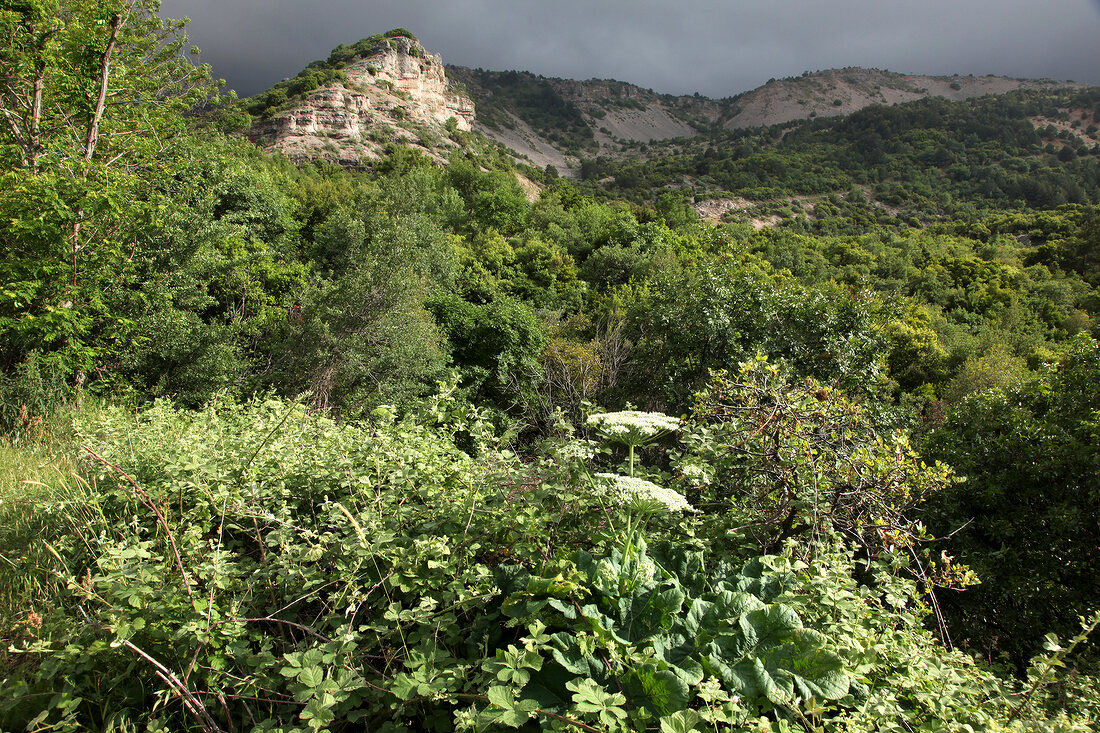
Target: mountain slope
point(383, 90)
point(560, 121)
point(843, 91)
point(388, 89)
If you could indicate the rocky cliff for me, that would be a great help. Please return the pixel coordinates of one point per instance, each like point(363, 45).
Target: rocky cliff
point(396, 92)
point(388, 89)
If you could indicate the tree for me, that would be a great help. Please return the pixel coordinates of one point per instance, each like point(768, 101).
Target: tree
point(361, 340)
point(793, 459)
point(495, 346)
point(916, 355)
point(76, 74)
point(91, 100)
point(722, 311)
point(1025, 517)
point(1084, 255)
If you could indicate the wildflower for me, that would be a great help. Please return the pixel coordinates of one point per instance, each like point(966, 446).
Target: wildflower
point(577, 450)
point(34, 619)
point(632, 427)
point(641, 495)
point(696, 473)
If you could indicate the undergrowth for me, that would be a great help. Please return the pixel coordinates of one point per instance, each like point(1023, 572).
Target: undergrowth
point(254, 566)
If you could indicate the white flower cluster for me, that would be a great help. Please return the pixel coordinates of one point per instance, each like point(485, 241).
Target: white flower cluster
point(632, 427)
point(695, 472)
point(641, 494)
point(578, 450)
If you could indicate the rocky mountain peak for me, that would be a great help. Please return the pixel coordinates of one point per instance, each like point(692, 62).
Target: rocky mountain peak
point(382, 90)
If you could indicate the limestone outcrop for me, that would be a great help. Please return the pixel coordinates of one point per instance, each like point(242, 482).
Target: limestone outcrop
point(398, 92)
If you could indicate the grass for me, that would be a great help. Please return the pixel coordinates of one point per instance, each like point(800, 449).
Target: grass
point(36, 478)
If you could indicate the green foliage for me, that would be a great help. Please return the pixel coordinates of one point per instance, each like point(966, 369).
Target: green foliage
point(917, 357)
point(675, 637)
point(254, 566)
point(55, 55)
point(360, 340)
point(657, 637)
point(313, 77)
point(931, 156)
point(30, 394)
point(995, 280)
point(241, 512)
point(1031, 464)
point(1084, 253)
point(83, 180)
point(494, 200)
point(220, 281)
point(725, 310)
point(802, 460)
point(997, 369)
point(495, 345)
point(270, 569)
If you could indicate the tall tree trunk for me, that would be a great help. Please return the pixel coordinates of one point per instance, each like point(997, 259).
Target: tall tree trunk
point(101, 99)
point(21, 109)
point(93, 125)
point(34, 142)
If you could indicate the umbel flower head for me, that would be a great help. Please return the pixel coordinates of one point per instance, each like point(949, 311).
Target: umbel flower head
point(643, 496)
point(578, 450)
point(696, 472)
point(632, 427)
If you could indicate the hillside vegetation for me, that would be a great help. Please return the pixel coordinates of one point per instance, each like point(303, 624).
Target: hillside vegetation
point(924, 158)
point(319, 73)
point(566, 121)
point(406, 446)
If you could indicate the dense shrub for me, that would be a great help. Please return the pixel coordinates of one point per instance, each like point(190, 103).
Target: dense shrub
point(252, 566)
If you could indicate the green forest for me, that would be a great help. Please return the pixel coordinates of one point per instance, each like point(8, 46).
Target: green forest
point(291, 447)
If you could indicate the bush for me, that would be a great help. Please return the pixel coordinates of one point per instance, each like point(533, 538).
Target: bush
point(253, 566)
point(1030, 458)
point(30, 394)
point(245, 547)
point(803, 460)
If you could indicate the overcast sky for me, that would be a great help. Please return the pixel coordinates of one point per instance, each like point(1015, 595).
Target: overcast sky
point(715, 47)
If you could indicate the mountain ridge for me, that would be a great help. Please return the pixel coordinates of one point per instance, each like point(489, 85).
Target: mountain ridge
point(612, 109)
point(389, 89)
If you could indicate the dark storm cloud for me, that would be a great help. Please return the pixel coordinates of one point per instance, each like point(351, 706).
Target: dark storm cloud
point(716, 47)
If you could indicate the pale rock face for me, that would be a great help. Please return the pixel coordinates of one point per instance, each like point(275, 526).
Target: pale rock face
point(419, 74)
point(350, 122)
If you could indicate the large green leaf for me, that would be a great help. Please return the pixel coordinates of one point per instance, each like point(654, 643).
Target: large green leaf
point(686, 566)
point(699, 620)
point(659, 689)
point(678, 650)
point(813, 670)
point(547, 687)
point(514, 713)
point(682, 721)
point(648, 612)
point(568, 653)
point(706, 619)
point(757, 579)
point(767, 627)
point(800, 666)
